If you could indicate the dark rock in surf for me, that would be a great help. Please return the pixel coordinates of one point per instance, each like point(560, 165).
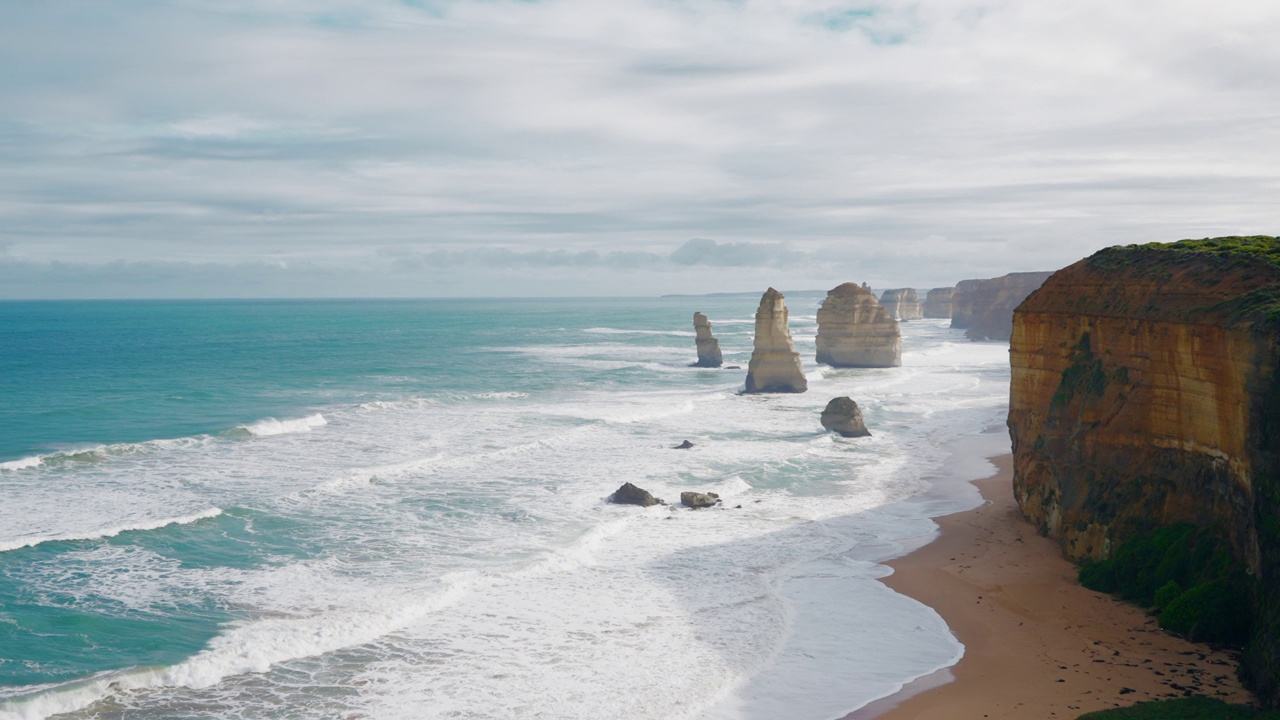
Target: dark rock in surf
point(683, 446)
point(843, 416)
point(629, 494)
point(697, 500)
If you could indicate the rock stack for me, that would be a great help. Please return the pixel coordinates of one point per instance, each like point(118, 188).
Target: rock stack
point(708, 347)
point(775, 365)
point(902, 304)
point(937, 304)
point(854, 330)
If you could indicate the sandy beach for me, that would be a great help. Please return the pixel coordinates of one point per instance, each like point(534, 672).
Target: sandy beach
point(1037, 644)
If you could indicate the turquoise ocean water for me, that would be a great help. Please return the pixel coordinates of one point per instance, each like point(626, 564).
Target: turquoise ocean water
point(388, 509)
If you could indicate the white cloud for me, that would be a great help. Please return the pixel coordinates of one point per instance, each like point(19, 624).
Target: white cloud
point(845, 134)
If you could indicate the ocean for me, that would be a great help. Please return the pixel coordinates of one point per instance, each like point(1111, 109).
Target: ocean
point(396, 509)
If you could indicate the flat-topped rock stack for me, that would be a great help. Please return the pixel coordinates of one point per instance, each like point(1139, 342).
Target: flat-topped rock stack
point(937, 303)
point(708, 347)
point(775, 365)
point(855, 330)
point(902, 304)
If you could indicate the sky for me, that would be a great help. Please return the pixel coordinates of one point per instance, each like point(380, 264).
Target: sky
point(426, 148)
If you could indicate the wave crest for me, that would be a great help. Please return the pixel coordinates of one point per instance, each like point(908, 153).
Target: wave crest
point(18, 543)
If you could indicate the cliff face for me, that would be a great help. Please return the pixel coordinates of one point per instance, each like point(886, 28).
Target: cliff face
point(775, 365)
point(962, 303)
point(994, 301)
point(937, 303)
point(1144, 392)
point(854, 330)
point(902, 304)
point(709, 355)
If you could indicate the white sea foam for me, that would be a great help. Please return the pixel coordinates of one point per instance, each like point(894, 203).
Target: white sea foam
point(22, 542)
point(270, 426)
point(23, 463)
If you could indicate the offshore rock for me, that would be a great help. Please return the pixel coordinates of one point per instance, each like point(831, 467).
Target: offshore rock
point(686, 445)
point(937, 303)
point(843, 416)
point(994, 301)
point(697, 500)
point(708, 347)
point(902, 304)
point(962, 303)
point(775, 365)
point(854, 330)
point(1145, 392)
point(629, 494)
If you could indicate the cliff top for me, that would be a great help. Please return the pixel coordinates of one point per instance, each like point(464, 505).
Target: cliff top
point(1214, 280)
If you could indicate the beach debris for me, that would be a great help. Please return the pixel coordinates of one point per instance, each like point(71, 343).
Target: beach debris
point(708, 347)
point(629, 494)
point(697, 500)
point(683, 446)
point(843, 416)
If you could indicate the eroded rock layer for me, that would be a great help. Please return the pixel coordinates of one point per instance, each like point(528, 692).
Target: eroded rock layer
point(775, 365)
point(708, 347)
point(994, 301)
point(937, 303)
point(1144, 392)
point(854, 330)
point(902, 304)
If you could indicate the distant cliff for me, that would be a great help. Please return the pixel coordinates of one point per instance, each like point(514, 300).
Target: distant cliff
point(994, 300)
point(962, 303)
point(1145, 393)
point(937, 303)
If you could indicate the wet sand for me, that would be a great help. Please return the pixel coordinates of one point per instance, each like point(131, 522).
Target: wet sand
point(1037, 644)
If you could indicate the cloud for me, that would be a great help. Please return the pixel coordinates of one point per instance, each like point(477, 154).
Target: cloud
point(572, 136)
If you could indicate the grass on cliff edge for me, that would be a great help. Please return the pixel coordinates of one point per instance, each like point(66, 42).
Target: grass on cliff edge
point(1234, 246)
point(1192, 708)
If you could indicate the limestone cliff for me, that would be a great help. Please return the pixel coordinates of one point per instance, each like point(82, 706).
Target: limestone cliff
point(854, 330)
point(994, 301)
point(775, 365)
point(708, 347)
point(962, 303)
point(902, 304)
point(1144, 392)
point(937, 303)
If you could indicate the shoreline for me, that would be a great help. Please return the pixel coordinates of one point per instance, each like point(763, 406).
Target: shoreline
point(1037, 643)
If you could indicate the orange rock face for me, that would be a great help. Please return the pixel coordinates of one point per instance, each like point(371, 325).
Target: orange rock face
point(1144, 392)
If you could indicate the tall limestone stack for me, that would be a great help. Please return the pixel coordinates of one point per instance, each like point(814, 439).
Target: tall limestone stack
point(937, 304)
point(994, 302)
point(708, 347)
point(902, 304)
point(1145, 391)
point(962, 303)
point(855, 330)
point(775, 365)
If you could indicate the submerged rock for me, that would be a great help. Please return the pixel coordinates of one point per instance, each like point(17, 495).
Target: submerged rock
point(775, 365)
point(697, 500)
point(843, 416)
point(708, 347)
point(629, 494)
point(683, 446)
point(854, 330)
point(902, 304)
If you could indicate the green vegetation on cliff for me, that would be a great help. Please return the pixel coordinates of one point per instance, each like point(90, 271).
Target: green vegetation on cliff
point(1192, 708)
point(1187, 575)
